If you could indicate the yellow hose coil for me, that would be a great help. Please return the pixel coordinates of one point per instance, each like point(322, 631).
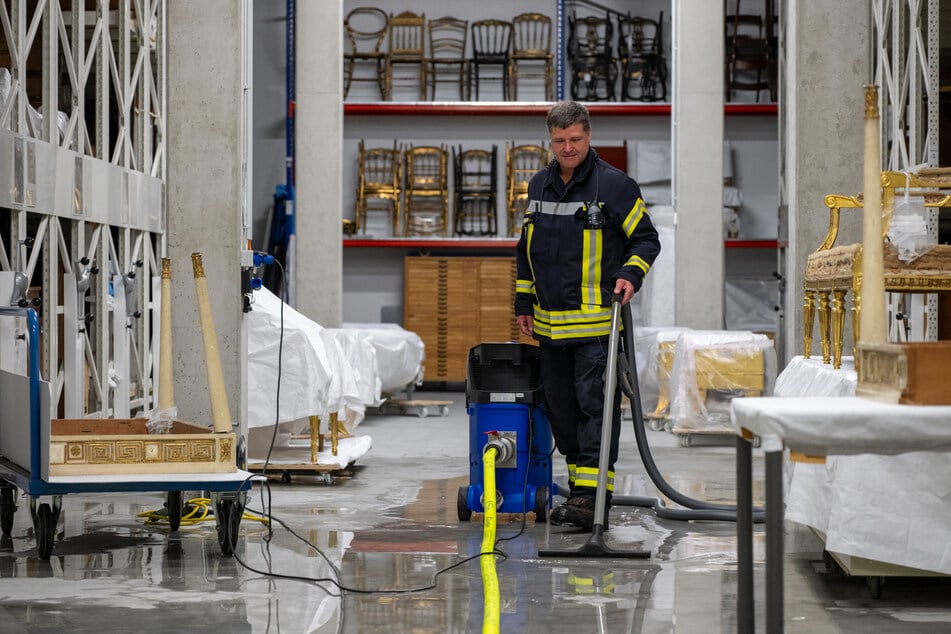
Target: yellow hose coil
point(490, 580)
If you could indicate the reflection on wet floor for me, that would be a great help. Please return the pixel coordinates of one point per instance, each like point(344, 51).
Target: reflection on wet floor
point(392, 527)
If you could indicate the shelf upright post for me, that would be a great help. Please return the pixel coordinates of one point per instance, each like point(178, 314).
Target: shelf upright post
point(560, 43)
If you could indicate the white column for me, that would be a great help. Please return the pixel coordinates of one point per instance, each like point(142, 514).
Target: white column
point(318, 255)
point(697, 134)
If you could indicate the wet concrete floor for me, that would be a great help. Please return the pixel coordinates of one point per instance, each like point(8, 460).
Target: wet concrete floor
point(389, 533)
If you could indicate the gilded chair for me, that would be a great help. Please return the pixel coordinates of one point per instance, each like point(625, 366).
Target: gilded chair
point(475, 192)
point(407, 48)
point(378, 185)
point(531, 47)
point(593, 72)
point(491, 48)
point(643, 66)
point(834, 271)
point(365, 28)
point(426, 197)
point(521, 163)
point(447, 54)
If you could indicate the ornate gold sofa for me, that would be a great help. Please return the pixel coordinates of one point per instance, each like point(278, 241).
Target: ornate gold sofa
point(832, 271)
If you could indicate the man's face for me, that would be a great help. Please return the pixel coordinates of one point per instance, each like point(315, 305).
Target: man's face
point(570, 145)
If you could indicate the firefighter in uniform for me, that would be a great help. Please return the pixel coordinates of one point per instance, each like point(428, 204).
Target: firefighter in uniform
point(586, 235)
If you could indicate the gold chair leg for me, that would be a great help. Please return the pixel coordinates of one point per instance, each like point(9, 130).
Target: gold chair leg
point(808, 319)
point(316, 440)
point(334, 432)
point(824, 324)
point(838, 326)
point(856, 315)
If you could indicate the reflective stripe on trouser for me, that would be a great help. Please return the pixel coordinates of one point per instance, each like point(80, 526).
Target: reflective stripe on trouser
point(572, 379)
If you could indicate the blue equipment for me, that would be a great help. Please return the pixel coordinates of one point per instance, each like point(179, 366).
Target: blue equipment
point(504, 399)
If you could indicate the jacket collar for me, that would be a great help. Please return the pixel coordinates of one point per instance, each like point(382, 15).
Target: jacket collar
point(581, 173)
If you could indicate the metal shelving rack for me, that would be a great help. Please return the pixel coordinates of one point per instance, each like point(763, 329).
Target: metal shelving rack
point(87, 187)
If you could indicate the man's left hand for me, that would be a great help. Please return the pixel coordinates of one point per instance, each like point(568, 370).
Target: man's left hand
point(625, 289)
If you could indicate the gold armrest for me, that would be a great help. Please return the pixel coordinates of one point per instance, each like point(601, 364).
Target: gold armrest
point(835, 202)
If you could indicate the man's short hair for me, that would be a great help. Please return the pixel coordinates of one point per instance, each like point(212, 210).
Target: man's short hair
point(567, 113)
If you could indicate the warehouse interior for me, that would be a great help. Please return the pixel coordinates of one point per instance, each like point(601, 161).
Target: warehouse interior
point(243, 390)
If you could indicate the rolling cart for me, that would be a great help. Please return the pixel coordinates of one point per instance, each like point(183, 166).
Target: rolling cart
point(18, 449)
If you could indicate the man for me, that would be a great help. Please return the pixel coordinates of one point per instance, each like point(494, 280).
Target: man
point(586, 235)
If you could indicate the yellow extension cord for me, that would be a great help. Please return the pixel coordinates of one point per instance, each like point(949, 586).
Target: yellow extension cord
point(201, 511)
point(490, 580)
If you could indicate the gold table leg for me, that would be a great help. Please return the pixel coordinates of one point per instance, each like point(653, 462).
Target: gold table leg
point(808, 319)
point(838, 326)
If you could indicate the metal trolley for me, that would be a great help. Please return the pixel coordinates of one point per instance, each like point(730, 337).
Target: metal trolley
point(226, 490)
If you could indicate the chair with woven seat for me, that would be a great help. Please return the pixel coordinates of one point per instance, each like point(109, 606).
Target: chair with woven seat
point(365, 28)
point(641, 58)
point(407, 47)
point(832, 272)
point(447, 54)
point(475, 192)
point(426, 195)
point(531, 46)
point(521, 163)
point(491, 48)
point(378, 185)
point(593, 71)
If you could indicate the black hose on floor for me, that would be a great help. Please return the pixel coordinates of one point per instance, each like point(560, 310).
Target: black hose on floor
point(695, 509)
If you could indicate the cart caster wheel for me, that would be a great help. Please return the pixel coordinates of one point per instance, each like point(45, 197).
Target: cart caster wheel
point(285, 477)
point(657, 425)
point(462, 505)
point(8, 507)
point(327, 478)
point(875, 586)
point(422, 412)
point(45, 529)
point(444, 410)
point(174, 504)
point(227, 521)
point(686, 440)
point(541, 505)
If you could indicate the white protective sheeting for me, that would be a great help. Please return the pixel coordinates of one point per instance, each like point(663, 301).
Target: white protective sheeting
point(893, 509)
point(399, 353)
point(317, 377)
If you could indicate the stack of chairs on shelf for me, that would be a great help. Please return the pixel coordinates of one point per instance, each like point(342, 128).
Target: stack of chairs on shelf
point(521, 163)
point(643, 66)
point(426, 195)
point(365, 29)
point(379, 186)
point(750, 53)
point(531, 47)
point(475, 194)
point(407, 48)
point(491, 49)
point(447, 55)
point(590, 57)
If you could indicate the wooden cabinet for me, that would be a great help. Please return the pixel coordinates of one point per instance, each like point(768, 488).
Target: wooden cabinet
point(456, 302)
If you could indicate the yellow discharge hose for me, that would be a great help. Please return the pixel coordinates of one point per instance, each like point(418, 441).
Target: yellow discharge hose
point(490, 580)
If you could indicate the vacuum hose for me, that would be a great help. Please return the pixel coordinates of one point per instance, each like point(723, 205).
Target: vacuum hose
point(490, 580)
point(695, 509)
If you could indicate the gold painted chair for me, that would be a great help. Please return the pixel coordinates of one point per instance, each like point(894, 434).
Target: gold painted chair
point(521, 163)
point(407, 47)
point(447, 54)
point(531, 46)
point(834, 271)
point(366, 29)
point(426, 197)
point(378, 185)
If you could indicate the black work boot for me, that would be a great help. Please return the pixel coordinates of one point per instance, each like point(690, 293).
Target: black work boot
point(578, 511)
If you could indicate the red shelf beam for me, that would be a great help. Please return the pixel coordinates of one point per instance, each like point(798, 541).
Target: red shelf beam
point(503, 109)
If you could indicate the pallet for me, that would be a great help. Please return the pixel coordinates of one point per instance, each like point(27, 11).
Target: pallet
point(417, 407)
point(284, 471)
point(719, 436)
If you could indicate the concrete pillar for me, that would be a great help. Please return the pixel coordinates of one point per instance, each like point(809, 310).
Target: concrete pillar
point(318, 263)
point(827, 64)
point(697, 121)
point(204, 191)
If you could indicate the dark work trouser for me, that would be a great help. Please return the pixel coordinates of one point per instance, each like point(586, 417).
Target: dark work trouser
point(572, 377)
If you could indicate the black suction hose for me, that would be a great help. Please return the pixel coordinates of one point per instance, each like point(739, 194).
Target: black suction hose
point(695, 509)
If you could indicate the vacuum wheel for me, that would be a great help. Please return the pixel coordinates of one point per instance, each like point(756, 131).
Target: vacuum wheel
point(8, 507)
point(462, 504)
point(44, 529)
point(541, 505)
point(174, 504)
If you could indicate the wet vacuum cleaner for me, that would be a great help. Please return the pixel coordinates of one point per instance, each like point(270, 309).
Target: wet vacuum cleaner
point(503, 398)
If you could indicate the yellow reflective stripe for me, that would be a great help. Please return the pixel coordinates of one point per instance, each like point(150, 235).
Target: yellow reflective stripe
point(571, 472)
point(529, 233)
point(634, 217)
point(553, 316)
point(523, 286)
point(599, 328)
point(580, 581)
point(591, 268)
point(639, 262)
point(588, 477)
